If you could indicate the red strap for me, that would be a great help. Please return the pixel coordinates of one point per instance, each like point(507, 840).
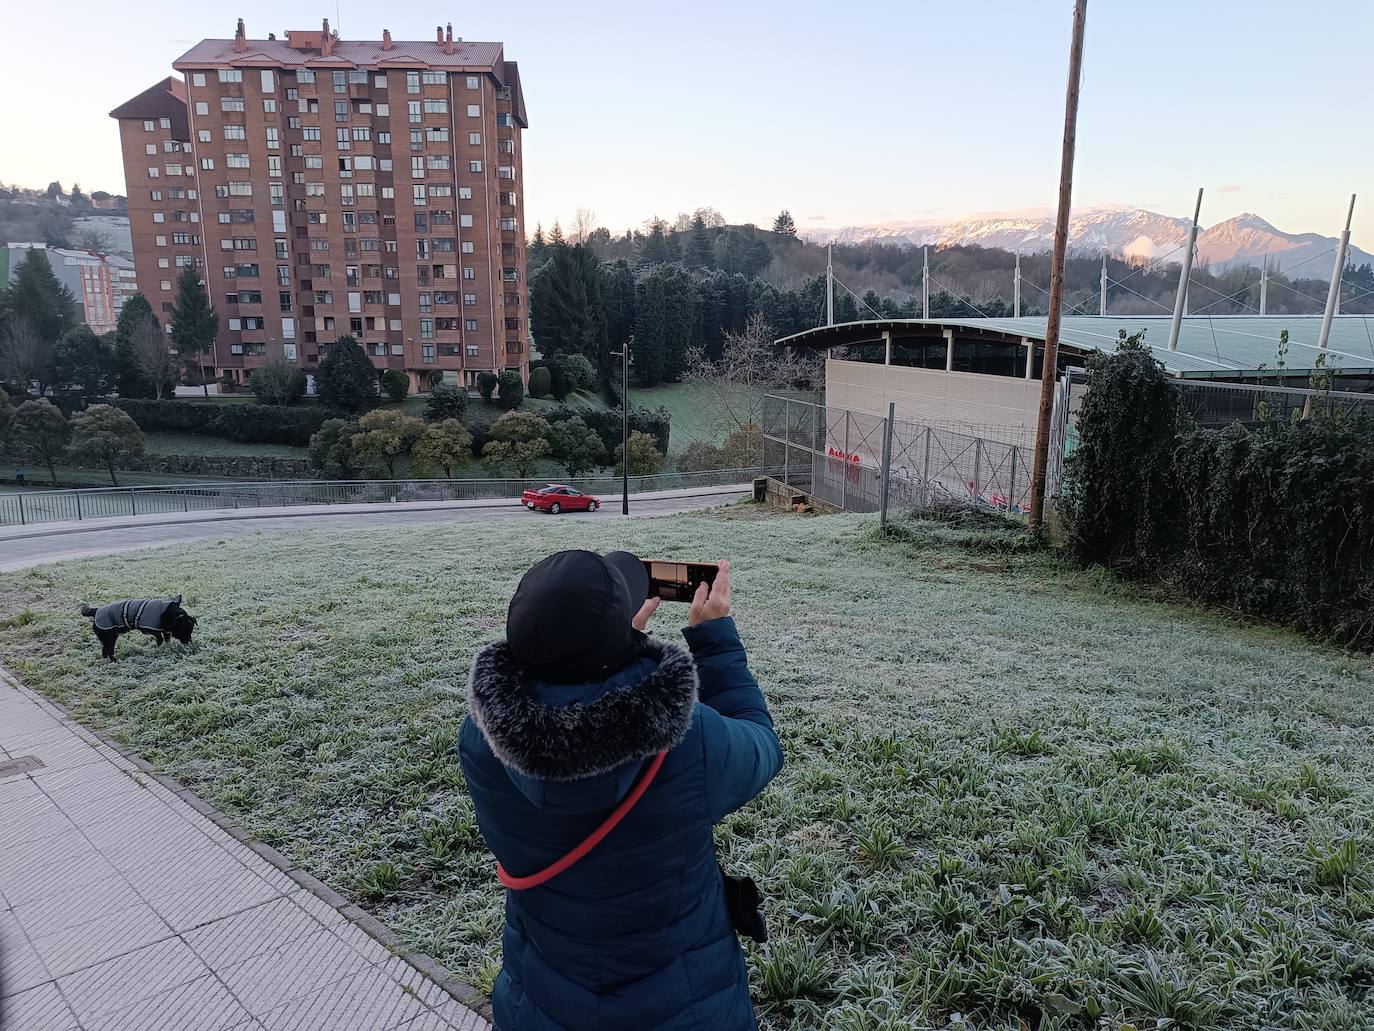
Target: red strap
point(626, 804)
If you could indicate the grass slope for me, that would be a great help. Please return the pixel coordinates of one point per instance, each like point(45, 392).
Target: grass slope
point(1013, 791)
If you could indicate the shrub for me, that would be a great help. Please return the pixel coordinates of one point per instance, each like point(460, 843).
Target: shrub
point(248, 424)
point(435, 378)
point(386, 435)
point(518, 440)
point(606, 424)
point(446, 402)
point(396, 384)
point(512, 390)
point(577, 447)
point(445, 447)
point(331, 450)
point(277, 383)
point(104, 434)
point(645, 458)
point(347, 378)
point(541, 382)
point(486, 385)
point(39, 432)
point(1275, 520)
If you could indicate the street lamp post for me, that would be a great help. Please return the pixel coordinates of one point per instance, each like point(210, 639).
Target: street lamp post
point(624, 355)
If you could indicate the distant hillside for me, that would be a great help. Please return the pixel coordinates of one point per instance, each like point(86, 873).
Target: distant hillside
point(98, 221)
point(1132, 233)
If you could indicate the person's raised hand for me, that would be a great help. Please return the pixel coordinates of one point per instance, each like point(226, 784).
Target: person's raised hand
point(641, 620)
point(712, 601)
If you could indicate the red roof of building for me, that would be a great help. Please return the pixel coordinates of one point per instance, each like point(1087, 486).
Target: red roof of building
point(346, 53)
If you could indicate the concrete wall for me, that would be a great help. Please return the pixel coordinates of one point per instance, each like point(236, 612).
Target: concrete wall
point(1000, 407)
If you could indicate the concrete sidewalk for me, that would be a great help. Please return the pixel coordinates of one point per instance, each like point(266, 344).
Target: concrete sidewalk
point(125, 903)
point(67, 526)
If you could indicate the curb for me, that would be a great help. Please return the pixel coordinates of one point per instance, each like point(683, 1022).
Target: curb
point(461, 992)
point(231, 515)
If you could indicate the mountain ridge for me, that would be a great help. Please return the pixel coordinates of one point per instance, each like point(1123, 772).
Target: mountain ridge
point(1132, 233)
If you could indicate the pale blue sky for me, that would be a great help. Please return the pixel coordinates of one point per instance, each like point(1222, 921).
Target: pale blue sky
point(843, 112)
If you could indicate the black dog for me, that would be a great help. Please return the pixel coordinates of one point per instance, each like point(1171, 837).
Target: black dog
point(162, 618)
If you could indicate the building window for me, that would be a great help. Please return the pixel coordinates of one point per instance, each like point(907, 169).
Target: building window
point(161, 241)
point(470, 299)
point(340, 110)
point(230, 75)
point(505, 121)
point(474, 166)
point(436, 107)
point(474, 82)
point(470, 325)
point(164, 284)
point(231, 104)
point(202, 108)
point(427, 354)
point(467, 247)
point(153, 172)
point(274, 165)
point(236, 160)
point(273, 142)
point(269, 106)
point(305, 75)
point(509, 223)
point(163, 263)
point(426, 329)
point(465, 221)
point(310, 132)
point(412, 82)
point(149, 125)
point(158, 216)
point(265, 77)
point(235, 132)
point(155, 194)
point(379, 81)
point(413, 111)
point(505, 172)
point(418, 196)
point(474, 111)
point(166, 123)
point(439, 162)
point(472, 349)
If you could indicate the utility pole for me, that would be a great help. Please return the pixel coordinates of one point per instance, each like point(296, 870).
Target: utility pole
point(1016, 289)
point(1102, 300)
point(1333, 296)
point(925, 282)
point(829, 286)
point(624, 355)
point(1181, 301)
point(1264, 286)
point(1061, 242)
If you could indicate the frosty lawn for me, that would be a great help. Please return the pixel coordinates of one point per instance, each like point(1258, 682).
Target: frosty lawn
point(1013, 791)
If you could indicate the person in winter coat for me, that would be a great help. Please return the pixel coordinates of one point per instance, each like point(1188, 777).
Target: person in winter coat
point(567, 717)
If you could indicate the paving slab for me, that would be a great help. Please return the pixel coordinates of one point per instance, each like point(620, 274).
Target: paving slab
point(124, 907)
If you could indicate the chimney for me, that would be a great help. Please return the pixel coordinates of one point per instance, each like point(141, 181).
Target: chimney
point(448, 39)
point(439, 34)
point(386, 39)
point(240, 38)
point(327, 41)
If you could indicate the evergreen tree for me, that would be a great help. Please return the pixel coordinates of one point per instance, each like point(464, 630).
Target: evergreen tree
point(556, 235)
point(83, 367)
point(38, 301)
point(537, 251)
point(105, 434)
point(783, 224)
point(567, 304)
point(195, 324)
point(699, 252)
point(130, 381)
point(666, 314)
point(655, 248)
point(347, 378)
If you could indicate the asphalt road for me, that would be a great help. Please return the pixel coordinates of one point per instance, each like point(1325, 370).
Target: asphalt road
point(23, 552)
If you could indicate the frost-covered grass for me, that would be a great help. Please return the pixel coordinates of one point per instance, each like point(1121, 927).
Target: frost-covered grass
point(1013, 791)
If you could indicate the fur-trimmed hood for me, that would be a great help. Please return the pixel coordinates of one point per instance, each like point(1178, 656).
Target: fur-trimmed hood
point(580, 739)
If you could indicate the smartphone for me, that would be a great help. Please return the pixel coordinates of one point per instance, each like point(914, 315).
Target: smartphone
point(678, 581)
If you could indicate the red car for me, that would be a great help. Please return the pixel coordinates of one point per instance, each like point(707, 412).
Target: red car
point(555, 498)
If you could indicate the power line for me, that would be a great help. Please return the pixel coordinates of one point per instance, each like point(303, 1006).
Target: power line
point(963, 300)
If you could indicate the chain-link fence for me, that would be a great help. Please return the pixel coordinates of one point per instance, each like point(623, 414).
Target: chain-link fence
point(1221, 404)
point(839, 456)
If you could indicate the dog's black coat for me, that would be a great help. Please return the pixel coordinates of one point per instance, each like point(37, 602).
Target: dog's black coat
point(171, 622)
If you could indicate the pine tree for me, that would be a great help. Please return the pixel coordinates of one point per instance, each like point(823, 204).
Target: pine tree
point(347, 378)
point(195, 324)
point(537, 251)
point(47, 308)
point(699, 252)
point(130, 380)
point(654, 246)
point(783, 224)
point(567, 304)
point(556, 235)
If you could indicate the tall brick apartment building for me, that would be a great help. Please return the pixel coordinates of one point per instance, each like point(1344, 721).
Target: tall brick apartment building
point(325, 187)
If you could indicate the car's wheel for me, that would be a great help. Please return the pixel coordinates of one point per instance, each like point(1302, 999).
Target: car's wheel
point(555, 508)
point(593, 506)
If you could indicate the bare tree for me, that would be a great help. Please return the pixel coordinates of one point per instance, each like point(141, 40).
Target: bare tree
point(584, 224)
point(92, 240)
point(713, 218)
point(23, 353)
point(153, 355)
point(749, 365)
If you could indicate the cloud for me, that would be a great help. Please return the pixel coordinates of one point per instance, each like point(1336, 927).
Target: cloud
point(1229, 189)
point(818, 218)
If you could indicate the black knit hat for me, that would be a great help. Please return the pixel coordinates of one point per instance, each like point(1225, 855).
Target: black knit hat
point(569, 620)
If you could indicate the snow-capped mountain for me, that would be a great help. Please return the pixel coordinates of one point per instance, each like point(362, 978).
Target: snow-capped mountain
point(1125, 232)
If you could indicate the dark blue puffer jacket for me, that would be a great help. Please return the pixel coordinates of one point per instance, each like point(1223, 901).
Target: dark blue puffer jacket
point(635, 936)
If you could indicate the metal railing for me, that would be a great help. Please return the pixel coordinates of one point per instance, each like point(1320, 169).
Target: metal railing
point(843, 457)
point(1221, 404)
point(21, 508)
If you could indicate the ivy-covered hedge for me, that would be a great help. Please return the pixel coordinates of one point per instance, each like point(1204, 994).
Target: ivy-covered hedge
point(1275, 520)
point(246, 423)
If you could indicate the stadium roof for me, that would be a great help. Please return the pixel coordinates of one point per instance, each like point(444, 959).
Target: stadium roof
point(1218, 347)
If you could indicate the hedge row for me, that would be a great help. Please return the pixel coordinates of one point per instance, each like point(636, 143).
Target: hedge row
point(1275, 520)
point(656, 422)
point(246, 423)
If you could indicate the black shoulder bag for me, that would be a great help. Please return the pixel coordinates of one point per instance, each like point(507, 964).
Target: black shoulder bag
point(742, 902)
